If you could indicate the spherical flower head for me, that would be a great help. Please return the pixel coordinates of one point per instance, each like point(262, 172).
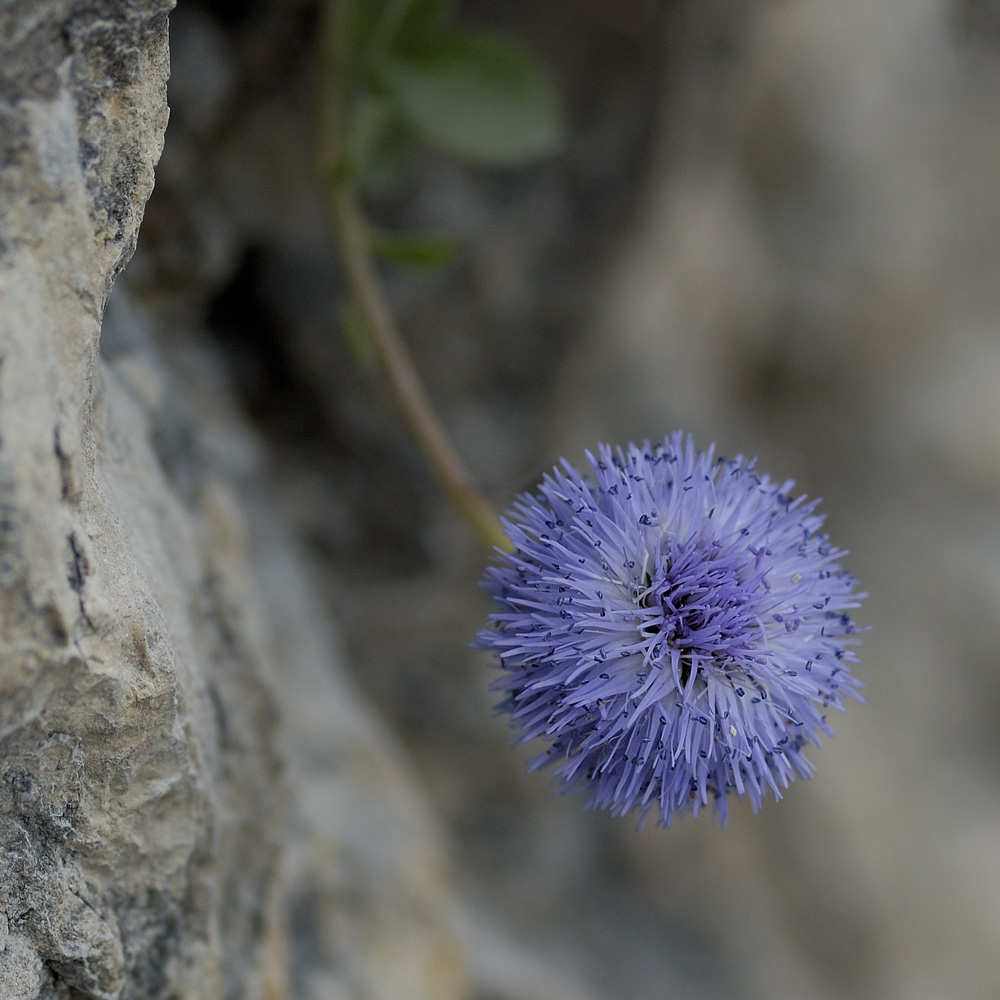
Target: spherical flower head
point(673, 625)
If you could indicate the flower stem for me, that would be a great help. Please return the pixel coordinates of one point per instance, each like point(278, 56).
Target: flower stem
point(352, 236)
point(405, 383)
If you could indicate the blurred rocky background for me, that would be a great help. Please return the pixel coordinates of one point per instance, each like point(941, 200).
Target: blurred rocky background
point(775, 224)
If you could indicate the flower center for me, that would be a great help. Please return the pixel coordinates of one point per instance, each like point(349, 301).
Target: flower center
point(695, 609)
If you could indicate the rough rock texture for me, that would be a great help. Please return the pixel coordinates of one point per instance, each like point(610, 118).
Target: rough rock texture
point(159, 836)
point(360, 903)
point(140, 791)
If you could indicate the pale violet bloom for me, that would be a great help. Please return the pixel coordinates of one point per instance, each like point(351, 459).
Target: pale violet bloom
point(673, 625)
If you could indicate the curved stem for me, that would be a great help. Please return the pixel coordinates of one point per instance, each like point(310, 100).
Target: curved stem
point(365, 288)
point(408, 390)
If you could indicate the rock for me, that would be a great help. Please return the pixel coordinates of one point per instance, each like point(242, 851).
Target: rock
point(171, 824)
point(133, 814)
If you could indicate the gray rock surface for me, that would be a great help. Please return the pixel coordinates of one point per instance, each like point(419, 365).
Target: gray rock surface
point(193, 801)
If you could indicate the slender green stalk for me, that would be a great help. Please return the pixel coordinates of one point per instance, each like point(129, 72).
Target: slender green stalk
point(352, 237)
point(403, 379)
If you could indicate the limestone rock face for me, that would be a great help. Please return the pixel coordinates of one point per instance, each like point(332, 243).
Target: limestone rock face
point(138, 784)
point(158, 836)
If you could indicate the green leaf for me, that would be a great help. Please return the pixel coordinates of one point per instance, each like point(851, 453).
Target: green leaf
point(398, 23)
point(422, 253)
point(476, 98)
point(422, 17)
point(357, 336)
point(380, 141)
point(361, 22)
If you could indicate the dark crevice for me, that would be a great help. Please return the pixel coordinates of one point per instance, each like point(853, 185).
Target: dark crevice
point(65, 467)
point(79, 570)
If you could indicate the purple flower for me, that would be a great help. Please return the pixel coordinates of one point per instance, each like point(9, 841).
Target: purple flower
point(674, 627)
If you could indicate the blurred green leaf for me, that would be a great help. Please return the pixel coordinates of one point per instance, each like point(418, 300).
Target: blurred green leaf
point(476, 98)
point(423, 253)
point(381, 141)
point(395, 24)
point(422, 17)
point(357, 336)
point(362, 19)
